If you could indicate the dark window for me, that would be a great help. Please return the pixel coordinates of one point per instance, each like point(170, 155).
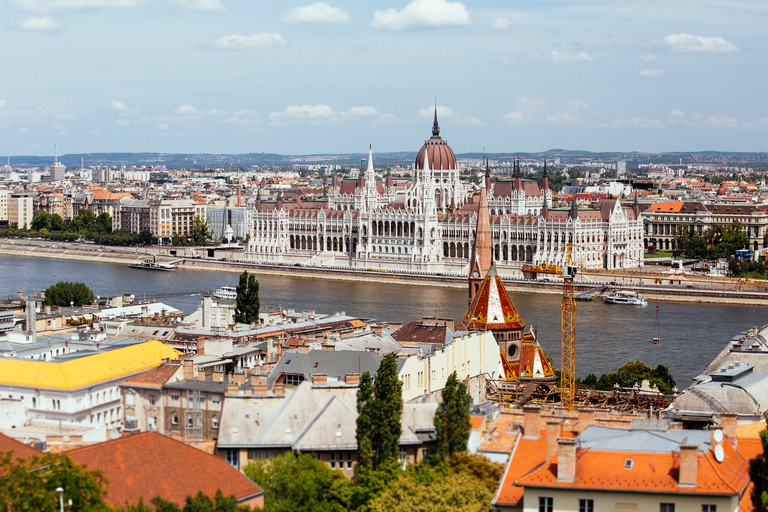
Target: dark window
point(666, 507)
point(232, 457)
point(709, 508)
point(546, 504)
point(586, 505)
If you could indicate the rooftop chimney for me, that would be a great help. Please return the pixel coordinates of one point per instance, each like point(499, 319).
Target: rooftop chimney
point(689, 461)
point(531, 421)
point(728, 424)
point(566, 459)
point(553, 432)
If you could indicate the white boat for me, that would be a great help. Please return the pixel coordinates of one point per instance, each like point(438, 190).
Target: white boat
point(625, 297)
point(154, 265)
point(226, 293)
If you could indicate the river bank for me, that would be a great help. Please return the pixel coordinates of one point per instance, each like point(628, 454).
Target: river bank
point(128, 255)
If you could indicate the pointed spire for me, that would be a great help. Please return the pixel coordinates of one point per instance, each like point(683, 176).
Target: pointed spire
point(435, 126)
point(518, 182)
point(573, 213)
point(636, 206)
point(480, 259)
point(487, 175)
point(545, 182)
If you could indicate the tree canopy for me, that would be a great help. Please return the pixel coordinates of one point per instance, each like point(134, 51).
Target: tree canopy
point(758, 473)
point(715, 242)
point(633, 373)
point(378, 432)
point(65, 293)
point(452, 425)
point(30, 484)
point(247, 302)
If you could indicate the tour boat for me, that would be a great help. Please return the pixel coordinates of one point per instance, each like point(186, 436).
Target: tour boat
point(226, 293)
point(625, 297)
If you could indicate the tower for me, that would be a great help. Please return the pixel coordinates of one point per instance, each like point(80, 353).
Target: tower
point(480, 259)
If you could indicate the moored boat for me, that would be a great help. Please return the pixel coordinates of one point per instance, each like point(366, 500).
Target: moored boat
point(154, 265)
point(625, 297)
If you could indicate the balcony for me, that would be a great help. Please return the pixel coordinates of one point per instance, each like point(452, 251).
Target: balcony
point(131, 425)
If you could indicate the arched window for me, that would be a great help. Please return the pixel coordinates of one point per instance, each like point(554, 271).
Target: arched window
point(174, 418)
point(215, 421)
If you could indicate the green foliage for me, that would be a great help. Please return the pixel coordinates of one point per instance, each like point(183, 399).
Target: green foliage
point(452, 425)
point(299, 482)
point(103, 223)
point(30, 484)
point(758, 473)
point(43, 220)
point(715, 242)
point(456, 492)
point(385, 410)
point(633, 373)
point(83, 221)
point(201, 230)
point(63, 293)
point(200, 503)
point(364, 421)
point(247, 303)
point(478, 466)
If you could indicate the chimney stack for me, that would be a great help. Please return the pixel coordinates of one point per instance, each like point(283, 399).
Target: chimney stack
point(553, 432)
point(566, 459)
point(531, 427)
point(689, 461)
point(728, 424)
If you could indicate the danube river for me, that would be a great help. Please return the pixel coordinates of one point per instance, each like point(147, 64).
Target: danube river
point(607, 336)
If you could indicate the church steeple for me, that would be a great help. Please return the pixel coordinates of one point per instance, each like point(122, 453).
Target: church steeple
point(487, 176)
point(480, 260)
point(518, 181)
point(435, 126)
point(573, 213)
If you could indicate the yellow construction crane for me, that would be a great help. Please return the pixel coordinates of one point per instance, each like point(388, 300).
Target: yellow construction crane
point(568, 334)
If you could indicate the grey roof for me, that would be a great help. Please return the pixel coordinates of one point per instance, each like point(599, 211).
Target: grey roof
point(332, 363)
point(312, 418)
point(733, 389)
point(383, 345)
point(642, 440)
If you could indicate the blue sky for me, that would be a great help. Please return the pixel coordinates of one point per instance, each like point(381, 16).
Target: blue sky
point(241, 76)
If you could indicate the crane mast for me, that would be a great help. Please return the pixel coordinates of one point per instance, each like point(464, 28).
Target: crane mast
point(568, 334)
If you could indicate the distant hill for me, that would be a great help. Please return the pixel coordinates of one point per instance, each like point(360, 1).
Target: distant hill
point(403, 158)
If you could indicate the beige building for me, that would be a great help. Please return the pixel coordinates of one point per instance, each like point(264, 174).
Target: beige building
point(169, 217)
point(142, 397)
point(5, 197)
point(20, 210)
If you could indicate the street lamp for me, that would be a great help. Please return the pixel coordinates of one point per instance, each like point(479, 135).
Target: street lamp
point(60, 490)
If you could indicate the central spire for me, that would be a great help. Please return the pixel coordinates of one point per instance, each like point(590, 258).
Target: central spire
point(435, 127)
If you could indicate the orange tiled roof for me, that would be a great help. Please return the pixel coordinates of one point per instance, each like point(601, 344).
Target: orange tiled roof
point(657, 472)
point(19, 449)
point(476, 422)
point(526, 455)
point(666, 206)
point(150, 464)
point(154, 378)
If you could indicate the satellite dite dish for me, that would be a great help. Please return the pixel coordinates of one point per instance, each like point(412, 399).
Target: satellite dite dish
point(718, 436)
point(719, 453)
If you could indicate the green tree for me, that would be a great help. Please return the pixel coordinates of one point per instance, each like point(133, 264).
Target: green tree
point(247, 303)
point(634, 373)
point(758, 473)
point(103, 223)
point(479, 466)
point(452, 423)
point(30, 484)
point(63, 293)
point(298, 482)
point(456, 492)
point(385, 410)
point(41, 220)
point(199, 503)
point(201, 230)
point(364, 422)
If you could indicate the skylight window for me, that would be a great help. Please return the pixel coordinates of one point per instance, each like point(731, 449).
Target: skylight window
point(628, 464)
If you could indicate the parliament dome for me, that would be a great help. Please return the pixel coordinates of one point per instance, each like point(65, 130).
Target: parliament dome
point(439, 154)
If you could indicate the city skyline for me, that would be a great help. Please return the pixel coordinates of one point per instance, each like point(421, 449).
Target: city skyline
point(226, 76)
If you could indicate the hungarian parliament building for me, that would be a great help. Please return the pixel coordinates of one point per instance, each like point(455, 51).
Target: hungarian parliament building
point(429, 225)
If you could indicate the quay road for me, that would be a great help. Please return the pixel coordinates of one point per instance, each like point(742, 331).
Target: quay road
point(607, 336)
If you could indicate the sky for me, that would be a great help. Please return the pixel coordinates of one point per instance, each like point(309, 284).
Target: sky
point(293, 77)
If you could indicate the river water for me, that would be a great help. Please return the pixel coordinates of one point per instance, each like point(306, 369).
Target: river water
point(607, 336)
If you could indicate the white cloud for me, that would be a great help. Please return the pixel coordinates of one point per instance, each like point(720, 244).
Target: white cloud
point(201, 5)
point(122, 122)
point(319, 12)
point(186, 110)
point(68, 5)
point(689, 43)
point(118, 105)
point(500, 24)
point(571, 57)
point(39, 24)
point(243, 116)
point(648, 57)
point(3, 103)
point(162, 126)
point(514, 117)
point(318, 114)
point(676, 113)
point(636, 122)
point(237, 42)
point(423, 13)
point(652, 72)
point(448, 113)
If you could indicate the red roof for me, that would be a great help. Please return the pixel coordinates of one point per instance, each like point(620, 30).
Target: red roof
point(150, 464)
point(19, 449)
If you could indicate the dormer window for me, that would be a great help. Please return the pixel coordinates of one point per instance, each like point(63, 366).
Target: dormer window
point(628, 464)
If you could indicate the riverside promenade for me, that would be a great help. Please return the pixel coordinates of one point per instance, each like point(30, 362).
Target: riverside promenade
point(700, 293)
